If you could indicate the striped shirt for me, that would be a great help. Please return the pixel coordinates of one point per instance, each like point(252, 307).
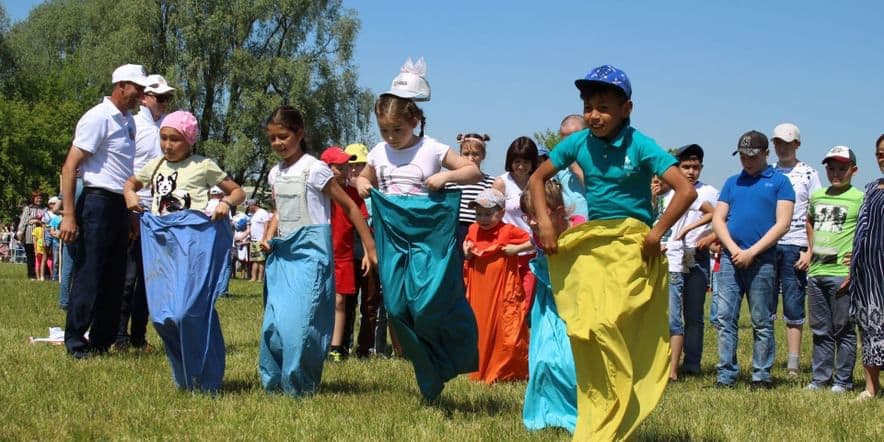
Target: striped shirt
point(468, 194)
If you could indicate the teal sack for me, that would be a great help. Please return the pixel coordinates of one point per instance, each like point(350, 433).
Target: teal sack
point(186, 256)
point(422, 278)
point(299, 310)
point(551, 395)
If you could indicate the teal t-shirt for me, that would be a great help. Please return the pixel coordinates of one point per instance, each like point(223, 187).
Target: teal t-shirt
point(834, 223)
point(617, 174)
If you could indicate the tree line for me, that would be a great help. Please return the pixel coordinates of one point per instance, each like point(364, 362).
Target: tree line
point(231, 62)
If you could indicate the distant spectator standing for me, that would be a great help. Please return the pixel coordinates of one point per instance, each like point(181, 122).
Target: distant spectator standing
point(831, 224)
point(793, 258)
point(25, 233)
point(689, 266)
point(258, 225)
point(866, 268)
point(473, 148)
point(104, 149)
point(753, 211)
point(571, 178)
point(133, 305)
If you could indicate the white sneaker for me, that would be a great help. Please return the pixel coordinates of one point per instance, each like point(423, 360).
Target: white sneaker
point(839, 389)
point(813, 387)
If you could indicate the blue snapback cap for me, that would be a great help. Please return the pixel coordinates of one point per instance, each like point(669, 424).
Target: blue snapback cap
point(606, 74)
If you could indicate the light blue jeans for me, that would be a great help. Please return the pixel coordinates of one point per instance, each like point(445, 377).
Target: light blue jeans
point(792, 282)
point(757, 283)
point(687, 294)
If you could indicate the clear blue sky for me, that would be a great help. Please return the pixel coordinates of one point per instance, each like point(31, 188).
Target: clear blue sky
point(702, 71)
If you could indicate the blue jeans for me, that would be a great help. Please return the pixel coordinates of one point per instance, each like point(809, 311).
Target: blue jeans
point(834, 334)
point(66, 267)
point(687, 295)
point(791, 282)
point(757, 283)
point(99, 271)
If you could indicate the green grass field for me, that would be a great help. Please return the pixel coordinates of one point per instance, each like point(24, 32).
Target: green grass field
point(47, 395)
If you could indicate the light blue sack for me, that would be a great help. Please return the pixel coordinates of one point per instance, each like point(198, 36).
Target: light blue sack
point(299, 310)
point(422, 278)
point(185, 255)
point(551, 395)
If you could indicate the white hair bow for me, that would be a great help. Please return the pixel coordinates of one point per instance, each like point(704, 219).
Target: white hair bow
point(417, 68)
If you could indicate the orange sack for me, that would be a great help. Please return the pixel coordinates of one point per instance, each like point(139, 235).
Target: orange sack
point(494, 291)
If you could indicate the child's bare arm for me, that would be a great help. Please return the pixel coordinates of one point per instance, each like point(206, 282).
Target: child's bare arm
point(546, 230)
point(235, 196)
point(269, 232)
point(130, 189)
point(366, 181)
point(460, 171)
point(515, 249)
point(707, 210)
point(335, 192)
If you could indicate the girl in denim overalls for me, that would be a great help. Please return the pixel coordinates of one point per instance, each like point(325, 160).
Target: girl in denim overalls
point(299, 276)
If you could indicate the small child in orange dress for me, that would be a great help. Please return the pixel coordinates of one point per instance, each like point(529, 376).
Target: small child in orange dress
point(494, 290)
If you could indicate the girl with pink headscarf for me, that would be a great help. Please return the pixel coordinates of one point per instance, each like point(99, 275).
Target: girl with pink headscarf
point(185, 251)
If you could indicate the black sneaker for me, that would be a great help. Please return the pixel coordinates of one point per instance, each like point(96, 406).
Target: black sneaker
point(761, 385)
point(718, 385)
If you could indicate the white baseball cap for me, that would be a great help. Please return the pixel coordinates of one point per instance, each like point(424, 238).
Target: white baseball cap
point(411, 86)
point(133, 73)
point(410, 83)
point(159, 85)
point(488, 199)
point(787, 132)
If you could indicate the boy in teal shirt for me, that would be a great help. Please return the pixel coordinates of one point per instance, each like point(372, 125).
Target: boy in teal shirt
point(831, 224)
point(609, 279)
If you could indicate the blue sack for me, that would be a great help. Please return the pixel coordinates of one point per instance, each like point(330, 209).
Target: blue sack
point(551, 395)
point(185, 255)
point(422, 279)
point(299, 310)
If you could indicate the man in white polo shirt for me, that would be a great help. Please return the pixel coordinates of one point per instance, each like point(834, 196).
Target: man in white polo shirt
point(133, 305)
point(104, 151)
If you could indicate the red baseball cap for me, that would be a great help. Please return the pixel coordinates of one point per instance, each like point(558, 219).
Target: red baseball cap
point(336, 155)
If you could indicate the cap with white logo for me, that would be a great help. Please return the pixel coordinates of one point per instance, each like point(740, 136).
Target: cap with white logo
point(841, 154)
point(410, 83)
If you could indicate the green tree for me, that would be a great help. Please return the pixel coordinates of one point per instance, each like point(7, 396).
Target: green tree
point(232, 63)
point(547, 138)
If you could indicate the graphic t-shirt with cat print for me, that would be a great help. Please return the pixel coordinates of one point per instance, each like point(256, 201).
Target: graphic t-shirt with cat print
point(180, 185)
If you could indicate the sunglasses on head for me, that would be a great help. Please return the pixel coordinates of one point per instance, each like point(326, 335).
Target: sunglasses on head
point(161, 98)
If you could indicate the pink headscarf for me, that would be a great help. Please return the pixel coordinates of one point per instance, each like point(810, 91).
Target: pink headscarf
point(183, 122)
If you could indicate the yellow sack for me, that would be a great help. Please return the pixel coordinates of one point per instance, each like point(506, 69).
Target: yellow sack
point(615, 306)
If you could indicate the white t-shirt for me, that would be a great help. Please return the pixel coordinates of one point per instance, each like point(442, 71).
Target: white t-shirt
point(259, 224)
point(674, 249)
point(805, 180)
point(403, 171)
point(513, 212)
point(318, 203)
point(109, 137)
point(147, 145)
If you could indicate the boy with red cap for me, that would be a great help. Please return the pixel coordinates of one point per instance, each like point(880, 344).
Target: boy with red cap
point(343, 241)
